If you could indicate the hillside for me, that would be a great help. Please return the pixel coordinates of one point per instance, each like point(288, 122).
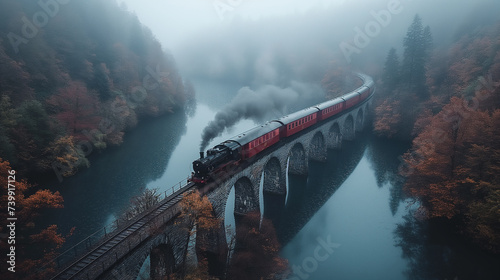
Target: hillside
point(74, 76)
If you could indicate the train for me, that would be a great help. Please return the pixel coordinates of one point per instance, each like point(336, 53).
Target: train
point(251, 143)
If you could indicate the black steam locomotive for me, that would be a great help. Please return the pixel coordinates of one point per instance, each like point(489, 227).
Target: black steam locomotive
point(250, 143)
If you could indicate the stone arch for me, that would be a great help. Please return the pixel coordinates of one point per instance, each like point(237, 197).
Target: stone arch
point(273, 179)
point(360, 121)
point(162, 261)
point(246, 200)
point(298, 160)
point(317, 148)
point(348, 130)
point(334, 136)
point(132, 265)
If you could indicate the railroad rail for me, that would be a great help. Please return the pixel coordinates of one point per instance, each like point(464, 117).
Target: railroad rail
point(130, 234)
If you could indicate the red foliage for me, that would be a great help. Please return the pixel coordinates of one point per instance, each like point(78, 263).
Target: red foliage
point(78, 108)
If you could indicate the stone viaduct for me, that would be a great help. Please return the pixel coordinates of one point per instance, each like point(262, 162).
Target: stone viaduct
point(157, 234)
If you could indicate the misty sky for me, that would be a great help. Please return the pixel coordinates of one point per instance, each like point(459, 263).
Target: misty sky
point(274, 42)
point(174, 20)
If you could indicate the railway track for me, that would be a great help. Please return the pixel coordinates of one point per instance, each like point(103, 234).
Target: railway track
point(118, 238)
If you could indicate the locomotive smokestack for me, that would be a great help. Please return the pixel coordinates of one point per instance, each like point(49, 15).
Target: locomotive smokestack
point(201, 154)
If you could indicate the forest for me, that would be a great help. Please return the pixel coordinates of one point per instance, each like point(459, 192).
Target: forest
point(446, 102)
point(73, 79)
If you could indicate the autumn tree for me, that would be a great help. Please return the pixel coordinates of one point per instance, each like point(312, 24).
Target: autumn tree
point(388, 119)
point(257, 249)
point(77, 108)
point(67, 79)
point(35, 251)
point(64, 157)
point(453, 170)
point(433, 166)
point(198, 216)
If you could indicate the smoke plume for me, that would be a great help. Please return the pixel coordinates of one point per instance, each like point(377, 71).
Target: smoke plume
point(266, 103)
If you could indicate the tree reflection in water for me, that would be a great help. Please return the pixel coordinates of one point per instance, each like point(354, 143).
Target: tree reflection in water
point(434, 251)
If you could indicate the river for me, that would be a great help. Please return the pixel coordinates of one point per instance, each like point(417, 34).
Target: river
point(352, 201)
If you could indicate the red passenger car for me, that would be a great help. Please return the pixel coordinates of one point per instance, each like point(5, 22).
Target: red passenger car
point(298, 121)
point(258, 139)
point(351, 99)
point(330, 108)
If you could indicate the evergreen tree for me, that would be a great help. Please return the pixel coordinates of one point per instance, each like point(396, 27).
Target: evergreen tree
point(417, 45)
point(391, 70)
point(427, 41)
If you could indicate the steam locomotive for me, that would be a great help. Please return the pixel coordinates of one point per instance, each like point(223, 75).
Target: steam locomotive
point(256, 140)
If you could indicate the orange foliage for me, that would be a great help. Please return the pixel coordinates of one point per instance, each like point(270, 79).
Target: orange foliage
point(434, 175)
point(33, 250)
point(65, 156)
point(388, 118)
point(454, 170)
point(198, 210)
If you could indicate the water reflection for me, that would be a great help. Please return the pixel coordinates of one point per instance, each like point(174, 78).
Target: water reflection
point(349, 210)
point(308, 194)
point(385, 157)
point(374, 232)
point(95, 195)
point(434, 251)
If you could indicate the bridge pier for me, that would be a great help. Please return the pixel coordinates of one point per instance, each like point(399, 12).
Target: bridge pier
point(297, 163)
point(334, 136)
point(348, 132)
point(166, 248)
point(162, 262)
point(318, 148)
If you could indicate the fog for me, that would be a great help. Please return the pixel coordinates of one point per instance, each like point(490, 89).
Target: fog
point(258, 45)
point(257, 42)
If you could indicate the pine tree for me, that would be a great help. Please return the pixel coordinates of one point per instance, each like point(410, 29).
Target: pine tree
point(417, 44)
point(391, 74)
